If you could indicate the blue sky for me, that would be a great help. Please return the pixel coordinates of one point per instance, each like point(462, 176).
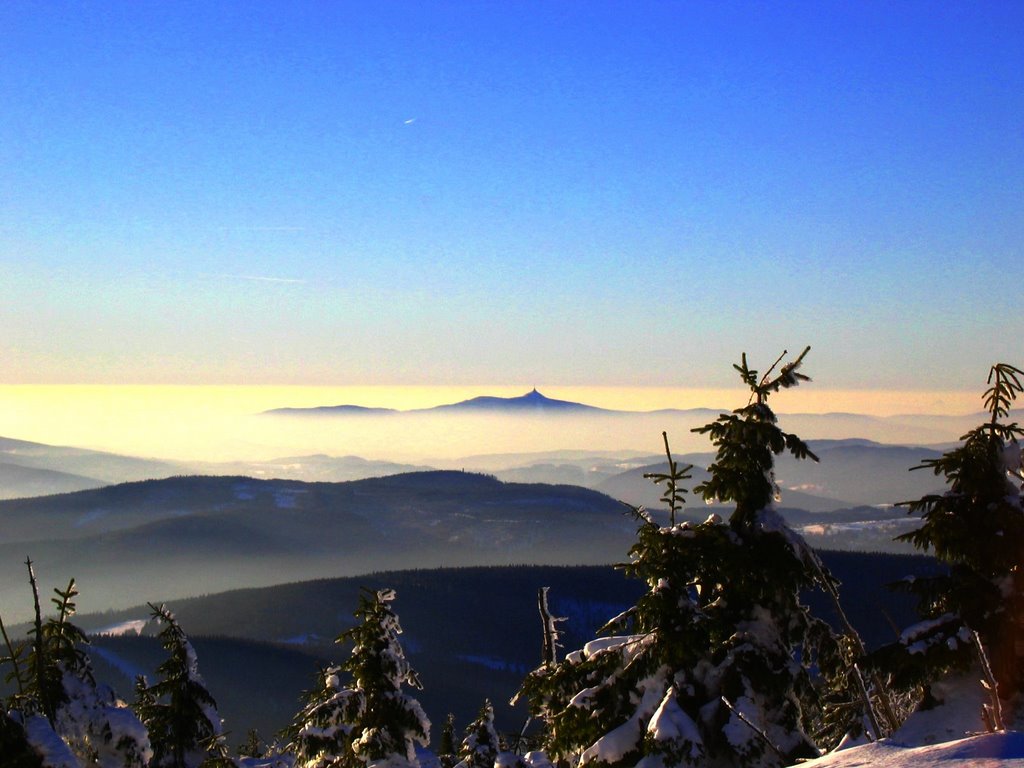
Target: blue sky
point(559, 193)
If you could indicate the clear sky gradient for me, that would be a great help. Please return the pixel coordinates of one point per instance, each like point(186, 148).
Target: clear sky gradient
point(550, 193)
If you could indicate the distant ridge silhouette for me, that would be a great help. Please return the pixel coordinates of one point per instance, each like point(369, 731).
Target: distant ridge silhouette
point(532, 402)
point(333, 410)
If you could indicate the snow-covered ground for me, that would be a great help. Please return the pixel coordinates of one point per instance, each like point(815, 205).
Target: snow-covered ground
point(948, 736)
point(984, 751)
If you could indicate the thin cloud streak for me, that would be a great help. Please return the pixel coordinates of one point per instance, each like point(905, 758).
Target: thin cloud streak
point(263, 278)
point(268, 279)
point(262, 229)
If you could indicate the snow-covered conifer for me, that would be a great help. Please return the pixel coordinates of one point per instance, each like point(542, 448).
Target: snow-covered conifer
point(369, 720)
point(976, 527)
point(181, 715)
point(710, 667)
point(64, 714)
point(322, 733)
point(480, 744)
point(100, 728)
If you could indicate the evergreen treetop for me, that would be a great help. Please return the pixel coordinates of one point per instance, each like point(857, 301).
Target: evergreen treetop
point(480, 744)
point(180, 713)
point(747, 441)
point(977, 527)
point(370, 720)
point(973, 523)
point(710, 667)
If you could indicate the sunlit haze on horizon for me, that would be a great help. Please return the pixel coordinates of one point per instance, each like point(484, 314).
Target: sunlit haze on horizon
point(225, 423)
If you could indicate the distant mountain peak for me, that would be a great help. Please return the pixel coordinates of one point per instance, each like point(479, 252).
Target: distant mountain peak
point(531, 401)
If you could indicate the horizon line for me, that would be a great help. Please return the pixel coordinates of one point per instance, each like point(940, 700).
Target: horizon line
point(641, 398)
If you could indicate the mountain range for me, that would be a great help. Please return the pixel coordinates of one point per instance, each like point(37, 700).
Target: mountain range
point(536, 402)
point(37, 469)
point(531, 402)
point(30, 469)
point(201, 533)
point(515, 424)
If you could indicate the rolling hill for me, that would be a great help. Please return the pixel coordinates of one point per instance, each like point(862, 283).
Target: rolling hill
point(206, 533)
point(18, 481)
point(127, 543)
point(37, 469)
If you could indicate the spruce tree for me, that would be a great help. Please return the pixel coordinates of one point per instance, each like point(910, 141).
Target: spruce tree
point(184, 726)
point(480, 744)
point(369, 720)
point(59, 708)
point(976, 527)
point(321, 735)
point(710, 667)
point(446, 745)
point(252, 746)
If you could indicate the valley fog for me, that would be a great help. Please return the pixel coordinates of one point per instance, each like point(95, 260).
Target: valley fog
point(208, 528)
point(210, 424)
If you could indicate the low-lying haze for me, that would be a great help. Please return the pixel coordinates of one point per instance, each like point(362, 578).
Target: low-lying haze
point(225, 423)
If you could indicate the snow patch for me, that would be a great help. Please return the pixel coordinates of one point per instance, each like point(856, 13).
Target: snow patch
point(244, 492)
point(854, 526)
point(619, 742)
point(671, 723)
point(51, 747)
point(957, 716)
point(990, 750)
point(287, 498)
point(90, 517)
point(537, 759)
point(130, 627)
point(610, 643)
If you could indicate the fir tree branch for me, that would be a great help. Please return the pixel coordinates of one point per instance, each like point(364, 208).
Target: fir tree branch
point(1003, 391)
point(674, 494)
point(40, 649)
point(14, 659)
